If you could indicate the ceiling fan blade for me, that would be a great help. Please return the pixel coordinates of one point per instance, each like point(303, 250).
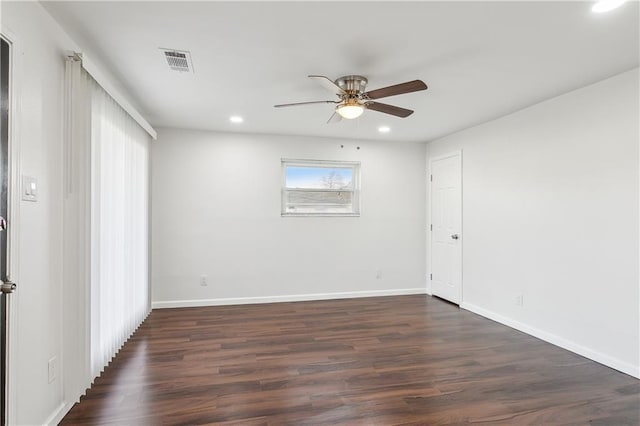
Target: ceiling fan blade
point(398, 89)
point(328, 84)
point(389, 109)
point(335, 118)
point(306, 103)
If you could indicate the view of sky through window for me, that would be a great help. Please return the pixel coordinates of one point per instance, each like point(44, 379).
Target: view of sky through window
point(319, 177)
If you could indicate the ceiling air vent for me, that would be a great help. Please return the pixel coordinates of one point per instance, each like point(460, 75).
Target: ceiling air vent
point(178, 60)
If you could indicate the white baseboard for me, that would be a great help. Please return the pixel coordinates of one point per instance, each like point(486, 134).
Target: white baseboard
point(285, 298)
point(625, 367)
point(57, 416)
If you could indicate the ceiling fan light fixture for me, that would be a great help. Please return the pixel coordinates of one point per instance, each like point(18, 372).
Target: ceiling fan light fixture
point(350, 110)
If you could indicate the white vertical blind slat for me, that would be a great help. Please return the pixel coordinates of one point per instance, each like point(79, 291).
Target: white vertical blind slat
point(77, 260)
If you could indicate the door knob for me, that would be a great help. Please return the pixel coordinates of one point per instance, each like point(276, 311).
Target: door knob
point(455, 236)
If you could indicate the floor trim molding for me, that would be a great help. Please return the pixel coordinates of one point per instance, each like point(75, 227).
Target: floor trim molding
point(285, 298)
point(599, 357)
point(59, 413)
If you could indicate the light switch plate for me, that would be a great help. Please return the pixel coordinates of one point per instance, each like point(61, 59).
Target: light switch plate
point(29, 188)
point(52, 369)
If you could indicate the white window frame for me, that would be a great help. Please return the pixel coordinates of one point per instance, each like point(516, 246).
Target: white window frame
point(355, 191)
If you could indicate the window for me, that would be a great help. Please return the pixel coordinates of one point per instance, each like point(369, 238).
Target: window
point(320, 188)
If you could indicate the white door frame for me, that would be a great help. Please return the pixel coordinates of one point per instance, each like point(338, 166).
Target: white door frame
point(13, 239)
point(429, 222)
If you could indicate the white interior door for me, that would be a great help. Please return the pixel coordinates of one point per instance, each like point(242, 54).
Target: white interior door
point(446, 227)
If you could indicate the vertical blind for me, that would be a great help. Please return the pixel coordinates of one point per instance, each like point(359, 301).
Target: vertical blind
point(119, 300)
point(76, 259)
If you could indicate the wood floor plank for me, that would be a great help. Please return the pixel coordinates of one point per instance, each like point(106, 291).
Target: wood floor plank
point(401, 360)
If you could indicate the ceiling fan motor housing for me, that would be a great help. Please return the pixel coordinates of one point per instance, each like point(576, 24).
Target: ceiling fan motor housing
point(352, 84)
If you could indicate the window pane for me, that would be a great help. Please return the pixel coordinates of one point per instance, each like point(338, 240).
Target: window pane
point(319, 177)
point(319, 201)
point(319, 197)
point(320, 188)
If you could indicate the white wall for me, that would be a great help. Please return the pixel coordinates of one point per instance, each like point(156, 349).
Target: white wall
point(550, 198)
point(216, 212)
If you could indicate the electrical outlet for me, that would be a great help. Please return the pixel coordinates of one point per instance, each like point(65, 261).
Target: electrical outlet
point(52, 369)
point(204, 281)
point(519, 300)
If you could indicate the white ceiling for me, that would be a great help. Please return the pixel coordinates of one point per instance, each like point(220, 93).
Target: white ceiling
point(481, 60)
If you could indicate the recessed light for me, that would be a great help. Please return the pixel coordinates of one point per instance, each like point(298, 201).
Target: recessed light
point(236, 119)
point(384, 129)
point(606, 5)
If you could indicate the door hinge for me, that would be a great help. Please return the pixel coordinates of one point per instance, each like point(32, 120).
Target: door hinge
point(431, 178)
point(431, 277)
point(431, 227)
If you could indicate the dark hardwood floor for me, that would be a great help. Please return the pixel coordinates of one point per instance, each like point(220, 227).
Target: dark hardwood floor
point(372, 361)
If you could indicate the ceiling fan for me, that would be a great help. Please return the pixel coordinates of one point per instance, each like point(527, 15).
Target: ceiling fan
point(353, 99)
